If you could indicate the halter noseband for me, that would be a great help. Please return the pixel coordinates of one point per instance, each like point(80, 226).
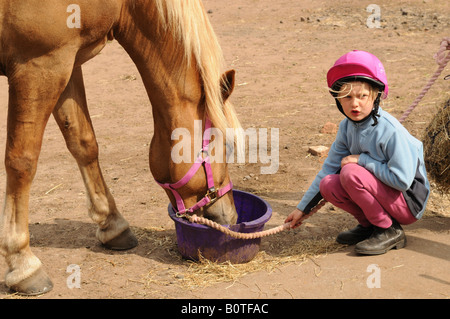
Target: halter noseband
point(212, 194)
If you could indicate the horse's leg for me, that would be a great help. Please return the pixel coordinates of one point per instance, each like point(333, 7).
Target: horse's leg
point(72, 116)
point(33, 93)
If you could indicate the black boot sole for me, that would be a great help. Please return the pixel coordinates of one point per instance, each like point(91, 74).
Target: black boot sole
point(398, 245)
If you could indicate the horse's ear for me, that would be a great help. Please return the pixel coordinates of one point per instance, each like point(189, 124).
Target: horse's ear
point(227, 84)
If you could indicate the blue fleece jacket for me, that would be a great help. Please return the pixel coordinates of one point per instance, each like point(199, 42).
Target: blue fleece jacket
point(387, 150)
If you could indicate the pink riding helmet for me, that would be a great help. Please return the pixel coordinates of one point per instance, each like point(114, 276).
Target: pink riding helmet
point(359, 65)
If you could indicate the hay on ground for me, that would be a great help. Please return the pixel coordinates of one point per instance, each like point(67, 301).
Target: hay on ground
point(205, 273)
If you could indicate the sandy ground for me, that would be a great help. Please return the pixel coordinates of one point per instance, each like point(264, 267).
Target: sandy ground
point(281, 51)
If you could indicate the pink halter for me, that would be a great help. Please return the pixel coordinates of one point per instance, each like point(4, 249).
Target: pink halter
point(212, 194)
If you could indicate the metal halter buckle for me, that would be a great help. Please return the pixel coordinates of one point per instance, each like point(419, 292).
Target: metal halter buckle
point(212, 195)
point(181, 214)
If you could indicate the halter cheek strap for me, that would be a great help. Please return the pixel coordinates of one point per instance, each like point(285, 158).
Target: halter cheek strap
point(202, 160)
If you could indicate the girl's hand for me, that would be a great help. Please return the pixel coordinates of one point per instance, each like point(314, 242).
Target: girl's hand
point(295, 218)
point(349, 159)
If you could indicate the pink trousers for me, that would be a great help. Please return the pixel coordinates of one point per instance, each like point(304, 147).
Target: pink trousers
point(370, 201)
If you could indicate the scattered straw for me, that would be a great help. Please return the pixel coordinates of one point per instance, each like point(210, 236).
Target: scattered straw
point(205, 273)
point(278, 251)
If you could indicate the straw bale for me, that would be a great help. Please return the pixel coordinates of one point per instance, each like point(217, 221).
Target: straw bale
point(436, 143)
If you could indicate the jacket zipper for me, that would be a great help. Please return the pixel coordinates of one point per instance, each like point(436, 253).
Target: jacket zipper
point(357, 135)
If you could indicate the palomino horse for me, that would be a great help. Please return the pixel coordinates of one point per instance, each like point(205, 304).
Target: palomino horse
point(43, 45)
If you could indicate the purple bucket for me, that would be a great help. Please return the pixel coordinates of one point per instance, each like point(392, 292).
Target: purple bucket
point(194, 239)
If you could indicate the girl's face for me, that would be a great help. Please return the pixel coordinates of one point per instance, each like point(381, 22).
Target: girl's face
point(356, 100)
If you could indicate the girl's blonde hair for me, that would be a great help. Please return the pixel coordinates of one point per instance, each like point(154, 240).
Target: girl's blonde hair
point(347, 87)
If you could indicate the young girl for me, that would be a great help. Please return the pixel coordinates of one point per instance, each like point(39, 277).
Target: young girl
point(375, 168)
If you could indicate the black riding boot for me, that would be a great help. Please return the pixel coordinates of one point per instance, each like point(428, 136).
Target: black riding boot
point(355, 235)
point(382, 240)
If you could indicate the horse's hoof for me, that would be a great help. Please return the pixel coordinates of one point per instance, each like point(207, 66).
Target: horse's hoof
point(126, 240)
point(37, 284)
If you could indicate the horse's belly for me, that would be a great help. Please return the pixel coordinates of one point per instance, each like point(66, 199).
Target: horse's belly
point(87, 53)
point(32, 28)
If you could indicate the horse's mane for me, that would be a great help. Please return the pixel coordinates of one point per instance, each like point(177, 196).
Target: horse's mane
point(189, 24)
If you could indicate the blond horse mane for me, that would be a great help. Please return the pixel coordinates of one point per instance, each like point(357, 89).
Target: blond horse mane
point(189, 24)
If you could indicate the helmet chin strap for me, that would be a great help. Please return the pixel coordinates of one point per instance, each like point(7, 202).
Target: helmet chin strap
point(374, 114)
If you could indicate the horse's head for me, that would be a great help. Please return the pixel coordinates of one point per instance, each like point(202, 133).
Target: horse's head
point(199, 180)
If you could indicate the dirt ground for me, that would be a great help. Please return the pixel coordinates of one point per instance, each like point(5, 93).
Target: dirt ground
point(281, 51)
